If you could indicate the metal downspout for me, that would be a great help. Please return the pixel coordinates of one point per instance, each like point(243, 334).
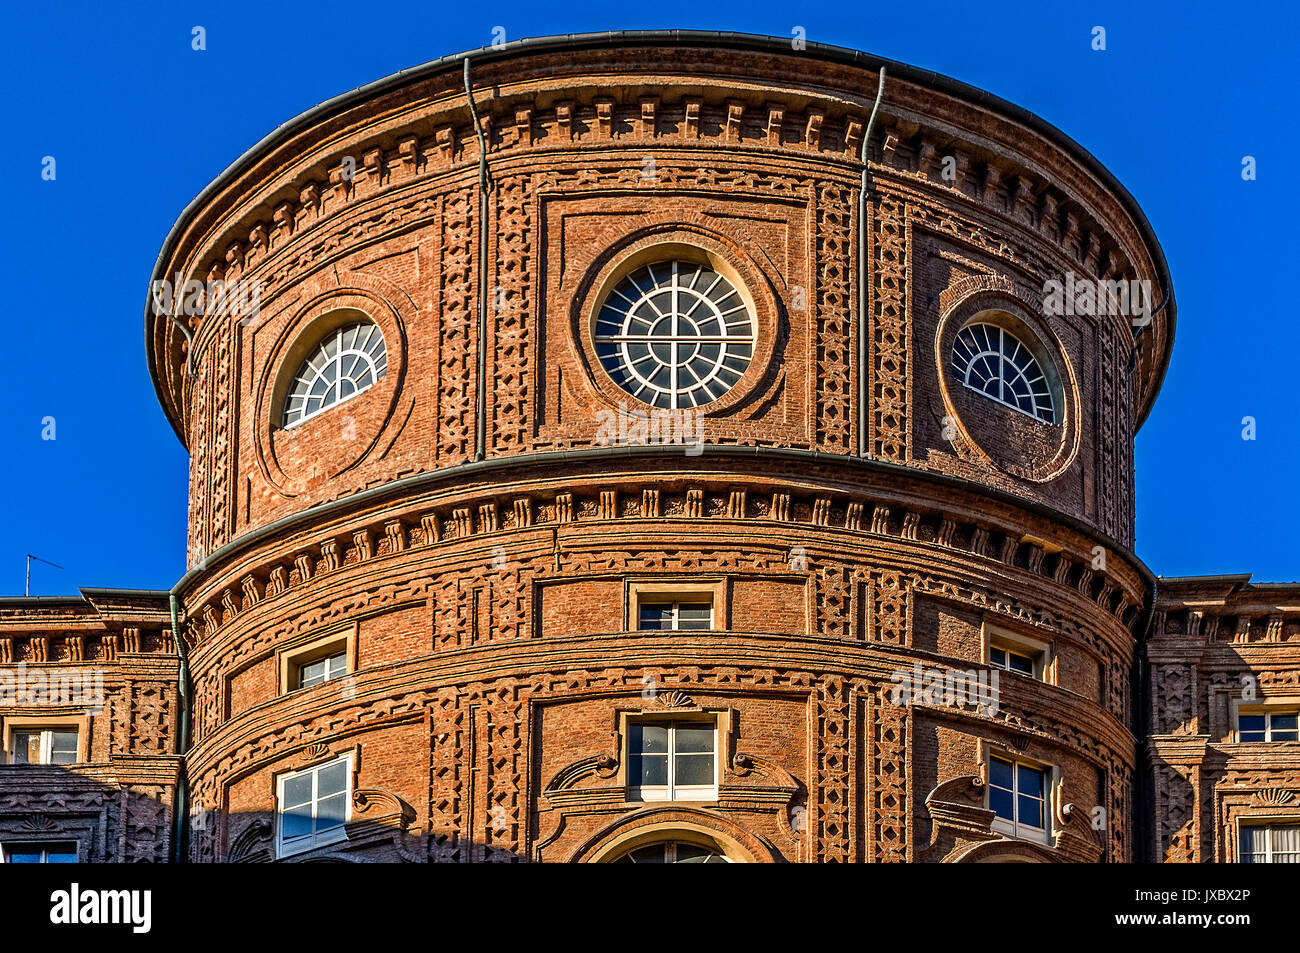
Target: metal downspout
point(181, 808)
point(862, 272)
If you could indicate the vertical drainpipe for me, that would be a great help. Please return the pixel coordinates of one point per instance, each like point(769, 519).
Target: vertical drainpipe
point(862, 273)
point(181, 808)
point(480, 402)
point(1141, 698)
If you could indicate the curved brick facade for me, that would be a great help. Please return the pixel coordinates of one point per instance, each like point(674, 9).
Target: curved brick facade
point(477, 530)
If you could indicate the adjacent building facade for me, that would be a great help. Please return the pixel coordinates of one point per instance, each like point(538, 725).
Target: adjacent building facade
point(660, 448)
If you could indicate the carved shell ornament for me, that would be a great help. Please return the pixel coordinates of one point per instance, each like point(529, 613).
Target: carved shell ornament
point(314, 751)
point(1274, 797)
point(676, 699)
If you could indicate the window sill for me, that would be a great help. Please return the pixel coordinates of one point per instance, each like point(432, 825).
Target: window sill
point(284, 851)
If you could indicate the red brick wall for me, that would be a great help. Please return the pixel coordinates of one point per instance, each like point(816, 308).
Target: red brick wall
point(489, 598)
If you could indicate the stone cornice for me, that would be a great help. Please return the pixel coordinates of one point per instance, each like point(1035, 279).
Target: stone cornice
point(227, 588)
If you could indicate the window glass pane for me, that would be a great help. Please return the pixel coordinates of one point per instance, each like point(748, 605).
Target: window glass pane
point(1000, 773)
point(648, 754)
point(1284, 727)
point(998, 657)
point(61, 857)
point(656, 615)
point(26, 747)
point(654, 854)
point(1031, 811)
point(331, 812)
point(1000, 803)
point(692, 854)
point(1250, 836)
point(648, 769)
point(333, 779)
point(649, 739)
point(1022, 663)
point(297, 790)
point(63, 746)
point(338, 665)
point(1286, 839)
point(694, 769)
point(313, 673)
point(296, 822)
point(694, 615)
point(1031, 781)
point(23, 855)
point(695, 737)
point(1250, 727)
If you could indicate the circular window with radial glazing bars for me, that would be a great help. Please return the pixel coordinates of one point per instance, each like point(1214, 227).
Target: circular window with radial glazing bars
point(348, 361)
point(991, 360)
point(675, 334)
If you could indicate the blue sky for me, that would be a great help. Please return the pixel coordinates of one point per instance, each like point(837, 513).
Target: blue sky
point(138, 123)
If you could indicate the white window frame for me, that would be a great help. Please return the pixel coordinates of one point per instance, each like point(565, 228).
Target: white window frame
point(677, 604)
point(1270, 827)
point(342, 654)
point(306, 842)
point(613, 336)
point(1268, 716)
point(672, 791)
point(1014, 827)
point(305, 377)
point(1038, 652)
point(47, 743)
point(290, 660)
point(1044, 404)
point(44, 848)
point(1005, 665)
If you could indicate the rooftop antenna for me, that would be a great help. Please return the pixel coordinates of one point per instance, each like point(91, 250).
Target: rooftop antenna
point(27, 589)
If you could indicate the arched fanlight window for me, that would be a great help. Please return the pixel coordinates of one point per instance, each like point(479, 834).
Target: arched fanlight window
point(673, 852)
point(348, 361)
point(675, 334)
point(990, 359)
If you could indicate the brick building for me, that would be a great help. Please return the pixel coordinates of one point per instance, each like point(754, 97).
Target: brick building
point(593, 458)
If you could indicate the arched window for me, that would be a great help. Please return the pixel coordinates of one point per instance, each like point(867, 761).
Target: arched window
point(346, 362)
point(990, 359)
point(673, 852)
point(675, 334)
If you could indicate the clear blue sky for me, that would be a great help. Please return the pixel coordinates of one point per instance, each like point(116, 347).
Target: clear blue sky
point(139, 123)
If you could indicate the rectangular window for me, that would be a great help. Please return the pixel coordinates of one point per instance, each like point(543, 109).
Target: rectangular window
point(325, 658)
point(313, 805)
point(675, 615)
point(1268, 726)
point(40, 853)
point(322, 670)
point(43, 746)
point(1018, 796)
point(1010, 660)
point(1274, 844)
point(672, 761)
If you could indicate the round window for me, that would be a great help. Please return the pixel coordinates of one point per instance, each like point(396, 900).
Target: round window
point(675, 334)
point(991, 360)
point(348, 361)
